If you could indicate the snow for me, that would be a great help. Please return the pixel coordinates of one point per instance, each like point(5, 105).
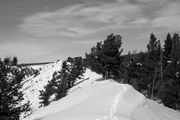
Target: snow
point(33, 84)
point(39, 67)
point(96, 99)
point(93, 98)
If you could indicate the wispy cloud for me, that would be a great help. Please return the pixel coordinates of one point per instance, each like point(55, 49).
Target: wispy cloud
point(80, 19)
point(83, 19)
point(168, 17)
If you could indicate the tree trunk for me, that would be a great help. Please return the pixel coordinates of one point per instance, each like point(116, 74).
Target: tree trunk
point(162, 79)
point(153, 84)
point(106, 75)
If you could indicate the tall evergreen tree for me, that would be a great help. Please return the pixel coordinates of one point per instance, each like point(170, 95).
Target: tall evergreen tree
point(175, 53)
point(76, 71)
point(50, 89)
point(71, 70)
point(14, 61)
point(153, 47)
point(106, 56)
point(10, 94)
point(93, 59)
point(154, 63)
point(7, 61)
point(57, 86)
point(167, 48)
point(171, 95)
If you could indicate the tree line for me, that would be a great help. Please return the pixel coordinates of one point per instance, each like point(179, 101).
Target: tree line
point(154, 72)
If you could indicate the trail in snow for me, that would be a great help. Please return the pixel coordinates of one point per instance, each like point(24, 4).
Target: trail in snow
point(104, 101)
point(113, 110)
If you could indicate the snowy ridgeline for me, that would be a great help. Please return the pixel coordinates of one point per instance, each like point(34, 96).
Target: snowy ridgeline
point(94, 99)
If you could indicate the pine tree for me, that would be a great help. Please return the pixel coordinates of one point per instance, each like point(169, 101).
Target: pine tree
point(77, 70)
point(167, 49)
point(7, 61)
point(171, 95)
point(10, 94)
point(93, 59)
point(105, 58)
point(153, 48)
point(140, 73)
point(175, 52)
point(57, 86)
point(49, 91)
point(14, 61)
point(71, 70)
point(154, 65)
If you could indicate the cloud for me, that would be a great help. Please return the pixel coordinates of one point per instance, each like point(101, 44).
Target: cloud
point(152, 1)
point(168, 22)
point(80, 19)
point(168, 17)
point(84, 19)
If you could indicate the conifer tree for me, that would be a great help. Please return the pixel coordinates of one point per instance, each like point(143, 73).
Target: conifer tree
point(7, 61)
point(10, 94)
point(76, 72)
point(171, 93)
point(154, 64)
point(167, 48)
point(57, 86)
point(71, 70)
point(94, 59)
point(171, 96)
point(153, 47)
point(49, 91)
point(175, 53)
point(14, 61)
point(105, 58)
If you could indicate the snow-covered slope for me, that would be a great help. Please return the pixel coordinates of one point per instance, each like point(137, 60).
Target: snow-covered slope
point(94, 99)
point(40, 67)
point(33, 84)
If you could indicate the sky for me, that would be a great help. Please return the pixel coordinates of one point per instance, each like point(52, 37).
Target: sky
point(50, 30)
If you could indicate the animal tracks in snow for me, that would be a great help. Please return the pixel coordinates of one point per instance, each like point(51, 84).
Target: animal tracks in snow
point(111, 115)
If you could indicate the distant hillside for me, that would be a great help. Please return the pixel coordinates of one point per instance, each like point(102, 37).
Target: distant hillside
point(32, 64)
point(33, 84)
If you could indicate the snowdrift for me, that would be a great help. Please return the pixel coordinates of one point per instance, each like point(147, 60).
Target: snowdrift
point(95, 99)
